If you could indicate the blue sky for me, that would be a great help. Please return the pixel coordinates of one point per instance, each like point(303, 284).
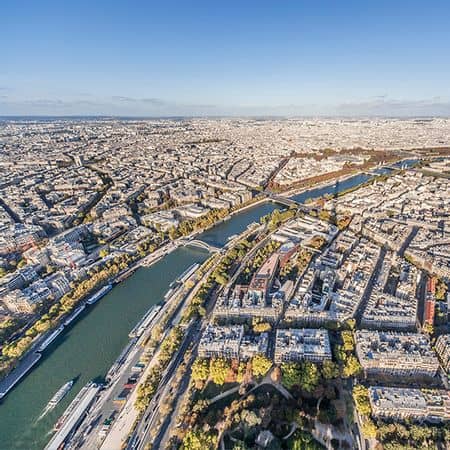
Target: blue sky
point(220, 58)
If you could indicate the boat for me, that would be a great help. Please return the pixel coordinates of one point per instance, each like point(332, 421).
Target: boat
point(73, 416)
point(188, 272)
point(98, 295)
point(62, 391)
point(142, 325)
point(60, 394)
point(75, 402)
point(50, 338)
point(74, 315)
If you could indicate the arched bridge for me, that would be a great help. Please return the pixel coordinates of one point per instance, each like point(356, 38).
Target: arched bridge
point(287, 201)
point(202, 244)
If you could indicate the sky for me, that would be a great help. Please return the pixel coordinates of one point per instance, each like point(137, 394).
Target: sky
point(213, 58)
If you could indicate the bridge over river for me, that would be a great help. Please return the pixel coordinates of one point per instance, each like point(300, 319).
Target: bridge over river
point(201, 244)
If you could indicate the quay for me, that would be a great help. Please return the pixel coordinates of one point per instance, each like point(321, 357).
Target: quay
point(34, 354)
point(74, 415)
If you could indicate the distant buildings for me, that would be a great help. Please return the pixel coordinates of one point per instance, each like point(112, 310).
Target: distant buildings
point(430, 302)
point(333, 286)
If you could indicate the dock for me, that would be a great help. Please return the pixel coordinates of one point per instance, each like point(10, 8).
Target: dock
point(74, 415)
point(26, 364)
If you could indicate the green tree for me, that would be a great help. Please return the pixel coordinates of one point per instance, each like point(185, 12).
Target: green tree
point(352, 367)
point(261, 365)
point(199, 440)
point(310, 376)
point(200, 370)
point(330, 370)
point(291, 374)
point(218, 370)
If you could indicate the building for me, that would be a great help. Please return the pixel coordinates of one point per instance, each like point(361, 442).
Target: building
point(395, 354)
point(263, 278)
point(252, 345)
point(221, 342)
point(428, 405)
point(430, 302)
point(443, 351)
point(389, 312)
point(299, 344)
point(230, 342)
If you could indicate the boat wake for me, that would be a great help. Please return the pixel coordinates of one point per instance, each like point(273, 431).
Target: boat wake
point(60, 394)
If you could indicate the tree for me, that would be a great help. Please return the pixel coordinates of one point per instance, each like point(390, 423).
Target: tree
point(291, 373)
point(309, 376)
point(361, 397)
point(261, 365)
point(250, 418)
point(369, 429)
point(200, 370)
point(221, 278)
point(198, 440)
point(347, 338)
point(261, 327)
point(330, 370)
point(239, 445)
point(352, 367)
point(218, 370)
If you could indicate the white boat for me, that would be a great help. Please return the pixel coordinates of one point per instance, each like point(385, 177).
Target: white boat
point(60, 394)
point(101, 293)
point(50, 338)
point(63, 390)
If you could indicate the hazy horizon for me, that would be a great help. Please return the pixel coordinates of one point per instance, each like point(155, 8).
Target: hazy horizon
point(201, 59)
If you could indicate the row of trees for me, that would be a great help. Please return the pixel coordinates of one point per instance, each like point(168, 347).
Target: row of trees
point(96, 279)
point(256, 262)
point(397, 435)
point(187, 227)
point(147, 389)
point(221, 370)
point(308, 375)
point(344, 353)
point(277, 217)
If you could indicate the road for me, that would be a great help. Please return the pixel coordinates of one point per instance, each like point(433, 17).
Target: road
point(373, 277)
point(151, 418)
point(88, 435)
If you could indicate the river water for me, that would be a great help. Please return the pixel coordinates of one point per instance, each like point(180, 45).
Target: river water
point(92, 344)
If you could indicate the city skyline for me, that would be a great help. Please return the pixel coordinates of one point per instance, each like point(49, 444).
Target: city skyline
point(256, 59)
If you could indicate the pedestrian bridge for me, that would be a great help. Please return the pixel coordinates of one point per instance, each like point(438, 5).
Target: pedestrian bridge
point(201, 244)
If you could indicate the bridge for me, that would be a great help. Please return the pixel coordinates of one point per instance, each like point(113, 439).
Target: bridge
point(286, 201)
point(201, 244)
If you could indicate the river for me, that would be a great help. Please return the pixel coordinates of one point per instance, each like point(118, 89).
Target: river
point(88, 349)
point(91, 345)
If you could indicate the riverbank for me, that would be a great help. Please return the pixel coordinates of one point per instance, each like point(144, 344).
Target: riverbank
point(86, 350)
point(208, 235)
point(298, 191)
point(91, 345)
